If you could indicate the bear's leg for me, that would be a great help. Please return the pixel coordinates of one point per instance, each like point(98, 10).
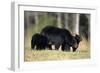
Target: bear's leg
point(74, 49)
point(63, 47)
point(49, 46)
point(32, 46)
point(57, 46)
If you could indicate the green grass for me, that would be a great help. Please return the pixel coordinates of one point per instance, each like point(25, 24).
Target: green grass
point(45, 55)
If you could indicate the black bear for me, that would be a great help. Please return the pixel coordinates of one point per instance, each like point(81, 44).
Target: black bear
point(53, 35)
point(39, 42)
point(60, 37)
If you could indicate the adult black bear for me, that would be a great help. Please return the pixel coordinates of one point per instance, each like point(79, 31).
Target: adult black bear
point(60, 37)
point(39, 42)
point(54, 36)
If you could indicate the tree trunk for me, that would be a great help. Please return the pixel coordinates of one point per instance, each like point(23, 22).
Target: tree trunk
point(59, 20)
point(36, 20)
point(75, 24)
point(27, 21)
point(66, 18)
point(36, 17)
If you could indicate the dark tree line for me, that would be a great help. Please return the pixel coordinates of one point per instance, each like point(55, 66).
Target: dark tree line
point(84, 26)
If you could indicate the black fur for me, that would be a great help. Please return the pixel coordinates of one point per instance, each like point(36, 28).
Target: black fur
point(41, 42)
point(58, 37)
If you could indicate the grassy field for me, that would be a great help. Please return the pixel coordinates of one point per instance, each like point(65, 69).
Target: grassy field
point(44, 55)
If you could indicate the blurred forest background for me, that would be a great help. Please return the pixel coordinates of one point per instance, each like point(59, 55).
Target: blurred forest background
point(76, 23)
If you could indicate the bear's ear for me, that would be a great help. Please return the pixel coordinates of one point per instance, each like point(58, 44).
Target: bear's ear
point(78, 37)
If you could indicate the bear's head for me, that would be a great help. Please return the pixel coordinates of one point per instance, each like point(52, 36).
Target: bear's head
point(77, 39)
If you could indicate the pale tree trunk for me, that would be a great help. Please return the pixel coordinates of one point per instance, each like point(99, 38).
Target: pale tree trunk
point(66, 21)
point(36, 17)
point(36, 20)
point(27, 19)
point(75, 24)
point(59, 20)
